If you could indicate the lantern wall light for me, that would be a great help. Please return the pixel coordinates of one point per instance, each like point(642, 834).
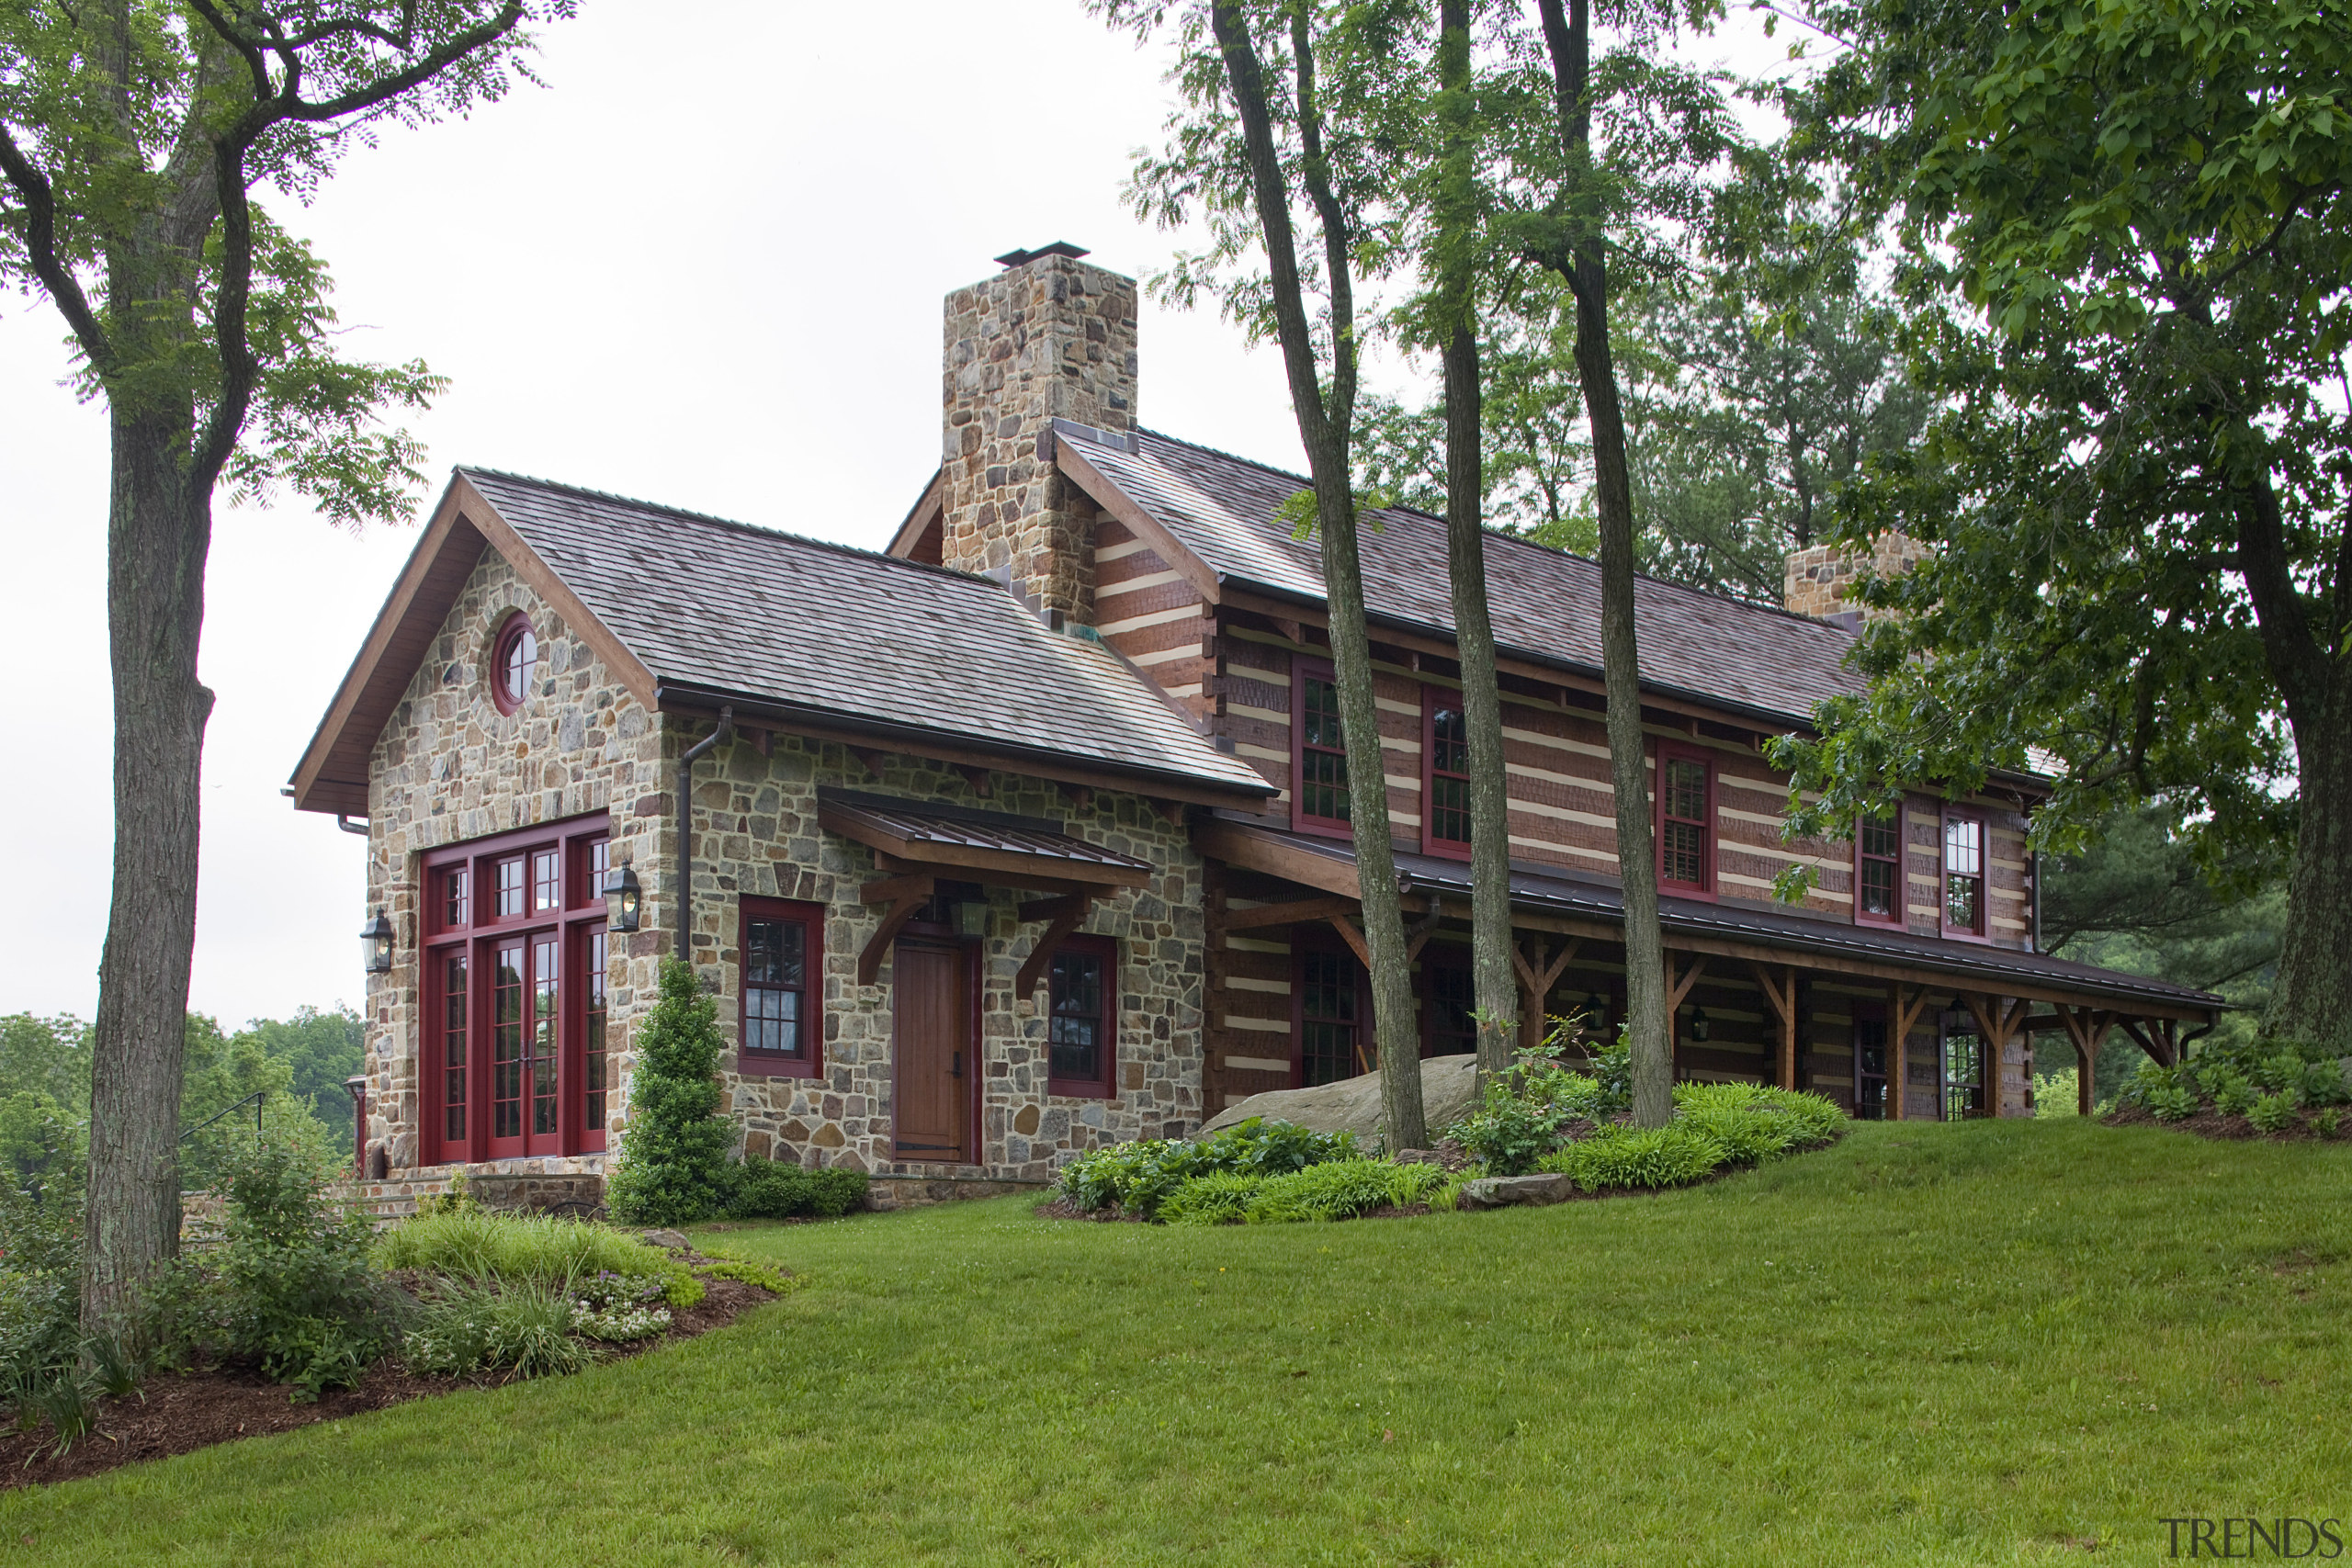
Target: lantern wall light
point(376, 944)
point(623, 899)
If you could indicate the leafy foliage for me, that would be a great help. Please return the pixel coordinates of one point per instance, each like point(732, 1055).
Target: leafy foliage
point(1337, 1189)
point(296, 1294)
point(673, 1168)
point(483, 1245)
point(770, 1190)
point(522, 1327)
point(1640, 1157)
point(1137, 1176)
point(2268, 1082)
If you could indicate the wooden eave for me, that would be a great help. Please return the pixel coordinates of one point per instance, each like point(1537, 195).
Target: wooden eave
point(1010, 868)
point(1070, 457)
point(332, 773)
point(920, 518)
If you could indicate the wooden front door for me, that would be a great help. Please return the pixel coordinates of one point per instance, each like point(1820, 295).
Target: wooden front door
point(930, 985)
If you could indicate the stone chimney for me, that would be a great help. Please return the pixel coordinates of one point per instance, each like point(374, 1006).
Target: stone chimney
point(1817, 577)
point(1049, 337)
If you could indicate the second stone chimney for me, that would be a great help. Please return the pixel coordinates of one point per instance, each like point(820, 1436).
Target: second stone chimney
point(1049, 337)
point(1818, 576)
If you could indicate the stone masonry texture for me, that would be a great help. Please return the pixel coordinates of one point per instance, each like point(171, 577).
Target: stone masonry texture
point(1052, 338)
point(1817, 577)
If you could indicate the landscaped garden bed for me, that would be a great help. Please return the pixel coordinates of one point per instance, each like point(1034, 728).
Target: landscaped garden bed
point(2261, 1090)
point(1541, 1134)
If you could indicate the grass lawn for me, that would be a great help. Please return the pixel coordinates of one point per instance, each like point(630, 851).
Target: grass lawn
point(1990, 1342)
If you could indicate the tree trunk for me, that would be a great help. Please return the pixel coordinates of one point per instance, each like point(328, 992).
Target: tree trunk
point(1645, 1019)
point(1494, 983)
point(2313, 998)
point(1567, 36)
point(158, 534)
point(1493, 980)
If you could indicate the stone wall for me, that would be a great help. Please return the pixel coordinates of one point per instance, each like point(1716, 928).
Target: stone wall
point(1817, 577)
point(450, 767)
point(1050, 338)
point(756, 833)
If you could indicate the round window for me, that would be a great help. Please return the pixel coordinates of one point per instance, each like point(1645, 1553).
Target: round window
point(513, 659)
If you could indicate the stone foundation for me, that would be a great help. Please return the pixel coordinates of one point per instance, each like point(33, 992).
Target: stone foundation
point(892, 1193)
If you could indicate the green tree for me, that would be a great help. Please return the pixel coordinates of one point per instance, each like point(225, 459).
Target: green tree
point(2129, 268)
point(1279, 130)
point(133, 140)
point(322, 1049)
point(47, 1057)
point(673, 1166)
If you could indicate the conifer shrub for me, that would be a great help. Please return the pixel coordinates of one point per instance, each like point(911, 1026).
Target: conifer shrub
point(673, 1166)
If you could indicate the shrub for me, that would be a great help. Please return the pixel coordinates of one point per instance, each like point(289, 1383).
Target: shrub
point(618, 1308)
point(2233, 1093)
point(1507, 1132)
point(2273, 1113)
point(1222, 1196)
point(765, 1277)
point(768, 1189)
point(2172, 1102)
point(1612, 1077)
point(673, 1168)
point(484, 1246)
point(1341, 1191)
point(1756, 1122)
point(2327, 1123)
point(1671, 1155)
point(295, 1291)
point(523, 1327)
point(1137, 1176)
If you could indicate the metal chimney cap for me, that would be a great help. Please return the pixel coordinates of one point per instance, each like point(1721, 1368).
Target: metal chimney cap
point(1058, 248)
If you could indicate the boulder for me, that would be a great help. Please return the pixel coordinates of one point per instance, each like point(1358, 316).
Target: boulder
point(669, 1241)
point(1449, 1084)
point(1502, 1191)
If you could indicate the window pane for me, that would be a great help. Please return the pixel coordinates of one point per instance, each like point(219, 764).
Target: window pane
point(1328, 1039)
point(600, 861)
point(453, 1047)
point(1964, 847)
point(506, 1048)
point(593, 964)
point(776, 970)
point(510, 887)
point(1323, 714)
point(1452, 1031)
point(1324, 791)
point(545, 1035)
point(1878, 887)
point(1878, 837)
point(1450, 742)
point(1963, 1075)
point(1449, 809)
point(546, 880)
point(1685, 858)
point(456, 907)
point(522, 654)
point(1963, 900)
point(1686, 789)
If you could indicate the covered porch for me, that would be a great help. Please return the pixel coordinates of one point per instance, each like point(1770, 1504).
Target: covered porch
point(1886, 1022)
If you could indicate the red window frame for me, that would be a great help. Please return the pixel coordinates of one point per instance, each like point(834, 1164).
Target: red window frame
point(554, 989)
point(1981, 877)
point(808, 1060)
point(1668, 753)
point(1310, 958)
point(512, 631)
point(1104, 1014)
point(1435, 700)
point(1866, 857)
point(1302, 671)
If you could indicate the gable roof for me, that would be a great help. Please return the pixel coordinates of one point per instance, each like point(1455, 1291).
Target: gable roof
point(1545, 603)
point(692, 611)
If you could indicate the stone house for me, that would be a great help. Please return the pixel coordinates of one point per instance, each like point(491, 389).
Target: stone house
point(1029, 833)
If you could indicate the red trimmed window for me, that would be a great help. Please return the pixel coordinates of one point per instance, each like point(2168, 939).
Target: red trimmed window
point(1964, 889)
point(781, 1028)
point(1319, 754)
point(1879, 891)
point(1327, 996)
point(1445, 774)
point(1447, 999)
point(514, 658)
point(1083, 1025)
point(1686, 820)
point(515, 1053)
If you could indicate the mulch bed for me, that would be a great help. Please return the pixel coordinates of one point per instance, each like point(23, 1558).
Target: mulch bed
point(177, 1413)
point(2210, 1121)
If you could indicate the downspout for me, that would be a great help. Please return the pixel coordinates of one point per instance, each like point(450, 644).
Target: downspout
point(343, 820)
point(2033, 942)
point(686, 760)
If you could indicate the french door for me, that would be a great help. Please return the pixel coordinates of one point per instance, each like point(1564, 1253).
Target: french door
point(512, 1051)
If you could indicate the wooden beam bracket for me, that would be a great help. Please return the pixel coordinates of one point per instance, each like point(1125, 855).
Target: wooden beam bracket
point(1064, 915)
point(1294, 913)
point(905, 894)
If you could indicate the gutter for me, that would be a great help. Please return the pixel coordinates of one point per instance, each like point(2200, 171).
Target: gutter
point(686, 760)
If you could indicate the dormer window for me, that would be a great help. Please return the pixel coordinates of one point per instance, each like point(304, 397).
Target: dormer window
point(515, 658)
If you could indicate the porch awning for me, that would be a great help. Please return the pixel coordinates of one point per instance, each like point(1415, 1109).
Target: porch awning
point(975, 846)
point(1548, 900)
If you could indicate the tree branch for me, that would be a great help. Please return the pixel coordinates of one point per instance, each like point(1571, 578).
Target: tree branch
point(33, 190)
point(424, 70)
point(1316, 175)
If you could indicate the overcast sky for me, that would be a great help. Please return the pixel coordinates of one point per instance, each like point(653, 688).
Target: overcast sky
point(703, 266)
